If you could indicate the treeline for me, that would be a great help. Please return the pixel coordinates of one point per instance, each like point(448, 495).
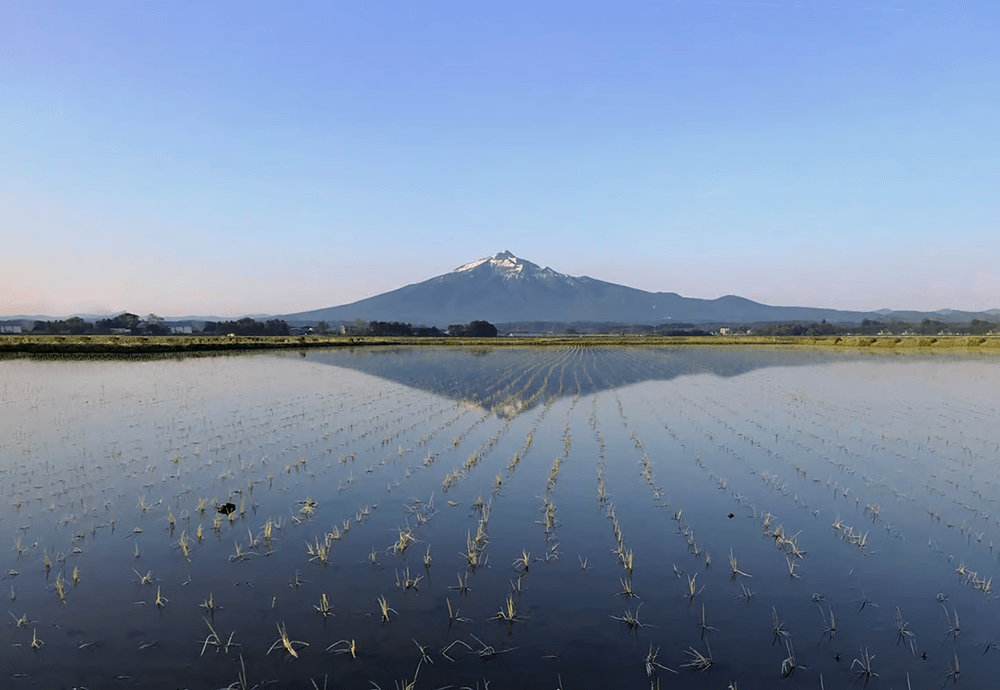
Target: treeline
point(601, 328)
point(124, 323)
point(474, 329)
point(875, 327)
point(246, 326)
point(132, 324)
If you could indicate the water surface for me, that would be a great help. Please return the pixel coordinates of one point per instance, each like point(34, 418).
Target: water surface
point(842, 483)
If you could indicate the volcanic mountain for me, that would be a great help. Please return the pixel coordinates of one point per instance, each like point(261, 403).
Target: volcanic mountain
point(504, 288)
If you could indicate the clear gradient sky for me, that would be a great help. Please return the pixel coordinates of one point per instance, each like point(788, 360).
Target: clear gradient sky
point(224, 158)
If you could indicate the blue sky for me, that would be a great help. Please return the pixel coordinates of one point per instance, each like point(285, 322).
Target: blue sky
point(244, 157)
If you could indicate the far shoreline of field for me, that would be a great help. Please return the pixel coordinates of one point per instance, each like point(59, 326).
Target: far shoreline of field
point(125, 344)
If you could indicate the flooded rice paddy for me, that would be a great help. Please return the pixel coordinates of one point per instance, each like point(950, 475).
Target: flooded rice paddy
point(542, 518)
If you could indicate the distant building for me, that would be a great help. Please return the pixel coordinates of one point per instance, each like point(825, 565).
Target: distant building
point(723, 331)
point(181, 330)
point(10, 329)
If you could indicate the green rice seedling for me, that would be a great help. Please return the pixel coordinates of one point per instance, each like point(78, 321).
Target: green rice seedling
point(61, 588)
point(864, 666)
point(21, 622)
point(626, 588)
point(427, 557)
point(318, 551)
point(788, 664)
point(36, 643)
point(652, 664)
point(284, 642)
point(385, 609)
point(201, 506)
point(902, 633)
point(699, 662)
point(767, 521)
point(405, 539)
point(240, 554)
point(779, 630)
point(865, 601)
point(212, 639)
point(146, 579)
point(170, 518)
point(308, 508)
point(209, 604)
point(324, 606)
point(631, 619)
point(76, 576)
point(423, 655)
point(351, 648)
point(792, 565)
point(161, 601)
point(185, 545)
point(454, 615)
point(829, 627)
point(955, 630)
point(954, 670)
point(474, 551)
point(583, 562)
point(19, 547)
point(463, 584)
point(507, 613)
point(407, 582)
point(746, 594)
point(692, 590)
point(735, 567)
point(523, 562)
point(485, 651)
point(705, 627)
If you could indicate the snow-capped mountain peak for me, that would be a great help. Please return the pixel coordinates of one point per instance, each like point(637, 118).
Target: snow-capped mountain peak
point(508, 266)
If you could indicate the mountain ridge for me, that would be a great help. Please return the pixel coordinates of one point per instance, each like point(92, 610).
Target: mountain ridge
point(504, 288)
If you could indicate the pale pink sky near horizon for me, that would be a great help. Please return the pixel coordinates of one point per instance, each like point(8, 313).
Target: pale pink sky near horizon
point(243, 158)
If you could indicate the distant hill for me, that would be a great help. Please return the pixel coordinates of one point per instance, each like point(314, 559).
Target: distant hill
point(504, 288)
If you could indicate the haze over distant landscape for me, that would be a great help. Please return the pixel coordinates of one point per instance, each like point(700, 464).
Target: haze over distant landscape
point(254, 158)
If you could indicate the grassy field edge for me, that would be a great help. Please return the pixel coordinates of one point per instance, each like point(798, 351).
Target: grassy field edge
point(56, 344)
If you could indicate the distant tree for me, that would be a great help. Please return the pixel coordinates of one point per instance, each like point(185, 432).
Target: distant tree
point(389, 328)
point(979, 327)
point(77, 326)
point(322, 327)
point(473, 329)
point(127, 320)
point(427, 331)
point(155, 325)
